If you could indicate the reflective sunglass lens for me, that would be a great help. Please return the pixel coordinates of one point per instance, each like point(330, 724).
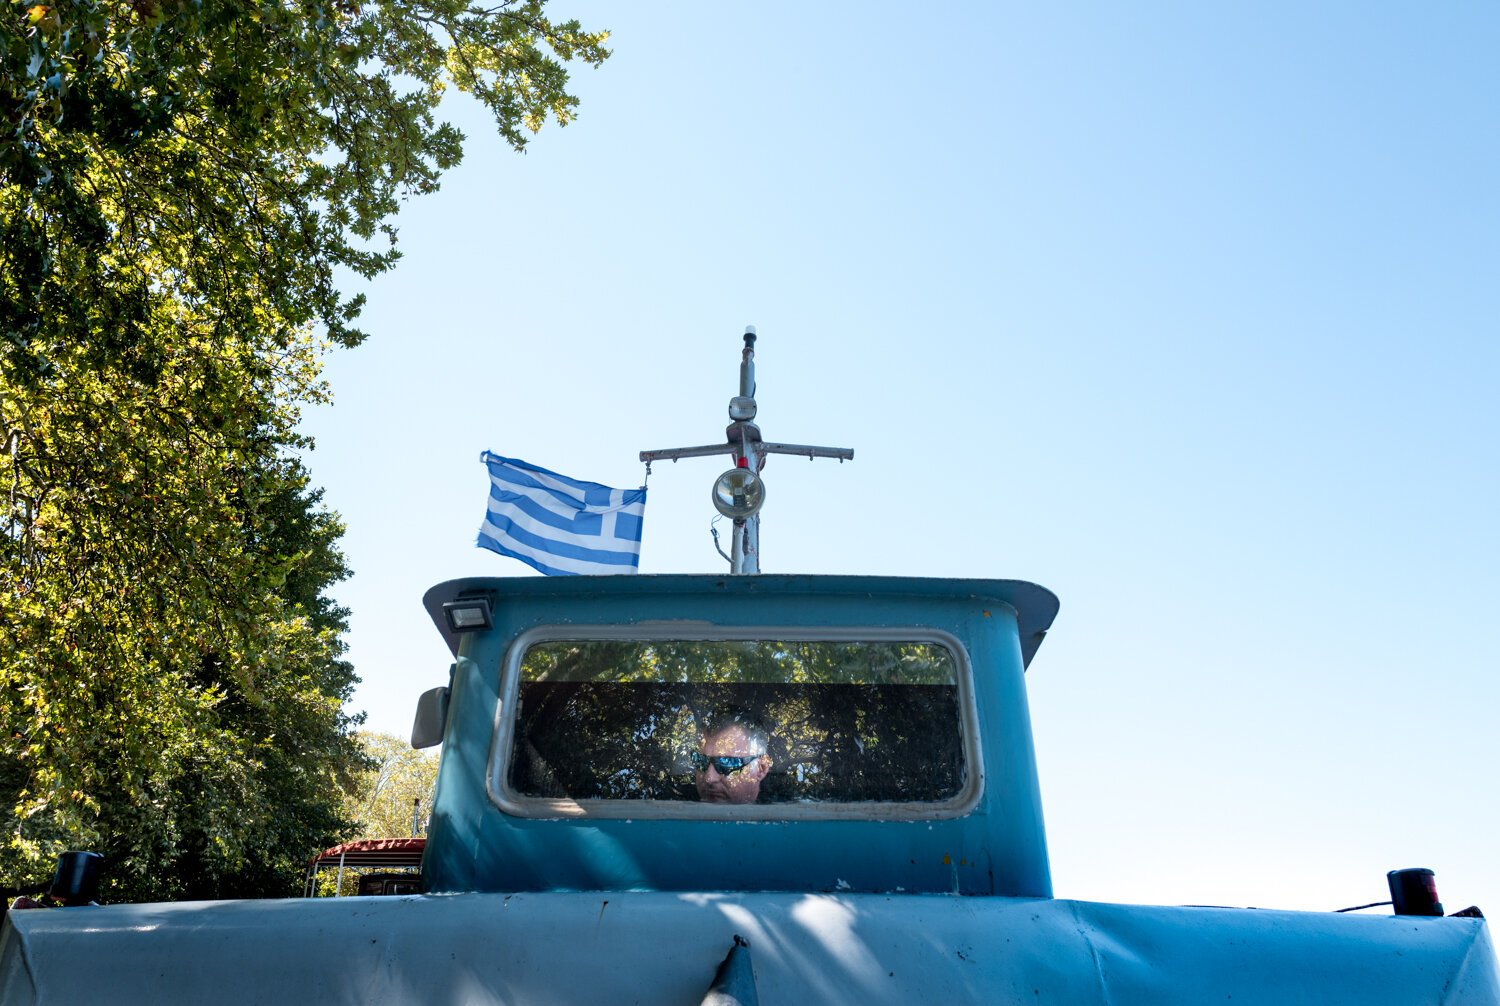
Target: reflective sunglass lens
point(723, 765)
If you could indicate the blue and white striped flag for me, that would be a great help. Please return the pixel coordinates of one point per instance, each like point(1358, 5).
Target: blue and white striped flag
point(559, 525)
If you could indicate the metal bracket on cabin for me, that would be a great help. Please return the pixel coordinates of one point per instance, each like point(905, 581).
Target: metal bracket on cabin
point(734, 982)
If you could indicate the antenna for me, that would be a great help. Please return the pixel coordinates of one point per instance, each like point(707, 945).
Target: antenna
point(740, 492)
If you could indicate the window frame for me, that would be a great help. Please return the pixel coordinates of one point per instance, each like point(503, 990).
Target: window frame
point(508, 801)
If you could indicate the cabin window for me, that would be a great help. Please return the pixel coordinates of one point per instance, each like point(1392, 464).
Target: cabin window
point(622, 724)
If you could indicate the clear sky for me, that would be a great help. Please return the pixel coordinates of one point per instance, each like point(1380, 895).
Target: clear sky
point(1187, 312)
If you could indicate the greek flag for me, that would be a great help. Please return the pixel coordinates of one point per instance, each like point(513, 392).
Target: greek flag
point(558, 525)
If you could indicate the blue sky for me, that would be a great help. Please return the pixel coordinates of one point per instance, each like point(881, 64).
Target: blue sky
point(1186, 312)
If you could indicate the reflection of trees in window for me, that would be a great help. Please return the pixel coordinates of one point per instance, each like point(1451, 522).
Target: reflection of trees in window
point(849, 721)
point(739, 660)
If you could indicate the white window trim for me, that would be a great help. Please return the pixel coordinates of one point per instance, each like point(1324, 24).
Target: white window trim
point(518, 805)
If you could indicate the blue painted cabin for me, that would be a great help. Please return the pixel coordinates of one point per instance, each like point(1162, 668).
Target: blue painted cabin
point(978, 833)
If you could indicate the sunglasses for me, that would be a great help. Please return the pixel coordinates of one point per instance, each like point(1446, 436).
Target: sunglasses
point(725, 765)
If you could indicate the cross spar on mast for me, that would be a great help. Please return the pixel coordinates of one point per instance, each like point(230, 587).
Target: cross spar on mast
point(743, 441)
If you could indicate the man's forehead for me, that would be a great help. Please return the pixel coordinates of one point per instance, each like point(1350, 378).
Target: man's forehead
point(729, 733)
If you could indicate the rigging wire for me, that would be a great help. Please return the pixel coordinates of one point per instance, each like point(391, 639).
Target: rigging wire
point(715, 532)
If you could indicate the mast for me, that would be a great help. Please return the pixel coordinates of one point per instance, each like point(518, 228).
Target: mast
point(739, 492)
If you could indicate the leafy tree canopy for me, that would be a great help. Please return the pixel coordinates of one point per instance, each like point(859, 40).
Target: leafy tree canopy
point(231, 155)
point(180, 181)
point(398, 777)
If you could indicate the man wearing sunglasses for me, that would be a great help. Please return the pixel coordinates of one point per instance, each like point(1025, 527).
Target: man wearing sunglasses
point(731, 759)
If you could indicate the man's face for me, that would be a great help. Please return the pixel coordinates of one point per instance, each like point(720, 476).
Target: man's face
point(742, 786)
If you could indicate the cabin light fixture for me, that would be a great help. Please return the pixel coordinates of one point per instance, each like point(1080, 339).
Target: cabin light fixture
point(468, 614)
point(739, 493)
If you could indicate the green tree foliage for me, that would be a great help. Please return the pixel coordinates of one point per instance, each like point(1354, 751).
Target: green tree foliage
point(172, 688)
point(181, 181)
point(382, 803)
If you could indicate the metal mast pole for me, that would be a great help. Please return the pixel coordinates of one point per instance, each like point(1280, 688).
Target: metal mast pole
point(744, 556)
point(743, 442)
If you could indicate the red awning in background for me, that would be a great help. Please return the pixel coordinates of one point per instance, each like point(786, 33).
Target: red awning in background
point(395, 853)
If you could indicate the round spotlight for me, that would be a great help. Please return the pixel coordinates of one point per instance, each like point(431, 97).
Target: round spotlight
point(738, 493)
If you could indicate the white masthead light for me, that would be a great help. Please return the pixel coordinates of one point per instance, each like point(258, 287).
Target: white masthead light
point(739, 493)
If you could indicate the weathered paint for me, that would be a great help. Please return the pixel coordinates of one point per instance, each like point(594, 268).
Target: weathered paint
point(663, 949)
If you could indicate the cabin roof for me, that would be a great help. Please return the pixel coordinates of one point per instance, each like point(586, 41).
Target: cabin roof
point(1035, 606)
